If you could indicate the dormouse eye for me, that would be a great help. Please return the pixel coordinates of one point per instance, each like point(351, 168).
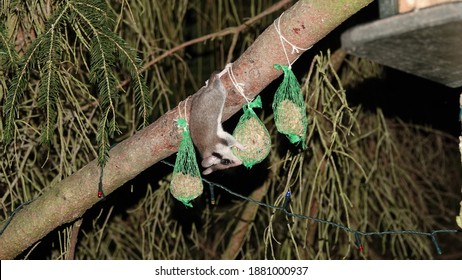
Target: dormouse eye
point(225, 161)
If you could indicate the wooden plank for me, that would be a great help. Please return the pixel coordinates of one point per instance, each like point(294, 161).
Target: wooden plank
point(412, 5)
point(426, 43)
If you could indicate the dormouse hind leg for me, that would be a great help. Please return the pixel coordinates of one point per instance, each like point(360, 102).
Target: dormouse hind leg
point(232, 142)
point(239, 146)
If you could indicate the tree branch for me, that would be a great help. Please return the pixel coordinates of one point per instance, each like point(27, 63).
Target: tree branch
point(303, 24)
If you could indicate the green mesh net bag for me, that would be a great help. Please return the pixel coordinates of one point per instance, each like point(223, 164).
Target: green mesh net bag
point(186, 182)
point(289, 108)
point(252, 133)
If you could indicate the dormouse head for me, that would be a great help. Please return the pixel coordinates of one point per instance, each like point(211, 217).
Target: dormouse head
point(222, 158)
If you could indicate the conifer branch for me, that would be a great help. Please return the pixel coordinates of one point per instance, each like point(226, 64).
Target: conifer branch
point(102, 62)
point(129, 59)
point(90, 20)
point(17, 88)
point(47, 100)
point(102, 137)
point(48, 95)
point(8, 55)
point(96, 8)
point(49, 85)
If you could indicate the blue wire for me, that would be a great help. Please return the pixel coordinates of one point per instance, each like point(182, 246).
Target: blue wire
point(357, 233)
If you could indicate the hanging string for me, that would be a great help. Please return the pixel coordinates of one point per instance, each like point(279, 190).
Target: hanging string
point(295, 49)
point(185, 109)
point(185, 124)
point(238, 86)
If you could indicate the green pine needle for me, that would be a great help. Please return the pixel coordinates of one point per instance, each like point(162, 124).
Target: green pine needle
point(8, 54)
point(93, 28)
point(49, 84)
point(17, 88)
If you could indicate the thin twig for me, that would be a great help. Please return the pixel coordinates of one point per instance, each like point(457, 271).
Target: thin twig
point(222, 33)
point(74, 238)
point(246, 220)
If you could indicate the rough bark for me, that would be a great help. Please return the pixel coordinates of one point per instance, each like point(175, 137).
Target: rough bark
point(303, 25)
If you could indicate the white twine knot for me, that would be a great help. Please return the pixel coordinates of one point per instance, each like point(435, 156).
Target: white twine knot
point(239, 86)
point(185, 113)
point(295, 49)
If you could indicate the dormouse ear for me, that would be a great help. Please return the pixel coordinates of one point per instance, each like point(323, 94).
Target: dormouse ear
point(207, 171)
point(215, 81)
point(209, 161)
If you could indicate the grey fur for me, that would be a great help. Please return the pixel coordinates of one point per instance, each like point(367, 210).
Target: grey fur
point(214, 144)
